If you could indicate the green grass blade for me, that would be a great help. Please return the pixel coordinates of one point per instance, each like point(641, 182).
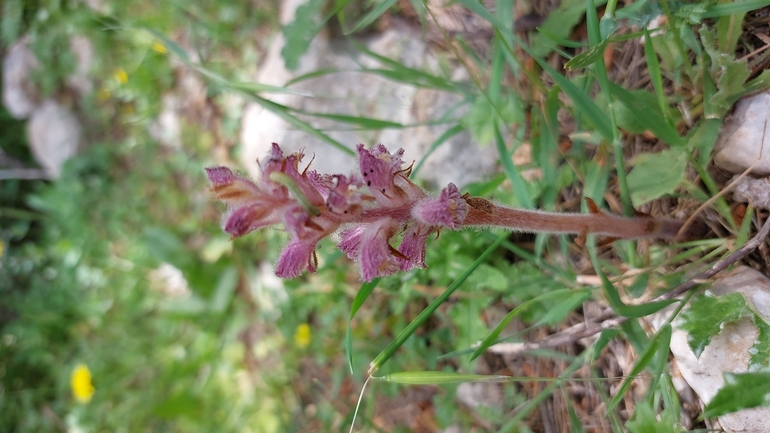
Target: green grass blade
point(492, 337)
point(449, 133)
point(644, 360)
point(512, 173)
point(363, 293)
point(724, 9)
point(369, 18)
point(533, 403)
point(653, 69)
point(440, 377)
point(613, 297)
point(386, 354)
point(583, 102)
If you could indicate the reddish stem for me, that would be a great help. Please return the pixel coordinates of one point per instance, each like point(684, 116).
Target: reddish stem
point(485, 213)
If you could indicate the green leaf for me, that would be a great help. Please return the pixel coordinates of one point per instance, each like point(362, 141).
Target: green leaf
point(656, 174)
point(647, 420)
point(588, 57)
point(656, 344)
point(363, 293)
point(760, 350)
point(560, 311)
point(741, 391)
point(224, 290)
point(11, 21)
point(643, 113)
point(482, 116)
point(707, 315)
point(299, 33)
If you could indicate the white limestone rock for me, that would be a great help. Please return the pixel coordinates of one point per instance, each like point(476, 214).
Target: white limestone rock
point(19, 92)
point(458, 160)
point(728, 351)
point(54, 136)
point(745, 137)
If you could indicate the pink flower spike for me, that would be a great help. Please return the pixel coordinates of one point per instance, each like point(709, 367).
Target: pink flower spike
point(297, 257)
point(413, 247)
point(351, 241)
point(219, 176)
point(377, 259)
point(246, 219)
point(448, 209)
point(378, 167)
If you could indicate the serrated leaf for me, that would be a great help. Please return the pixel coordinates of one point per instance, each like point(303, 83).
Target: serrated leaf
point(741, 391)
point(760, 350)
point(656, 174)
point(707, 315)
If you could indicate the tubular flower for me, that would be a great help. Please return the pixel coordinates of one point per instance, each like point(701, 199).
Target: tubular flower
point(377, 206)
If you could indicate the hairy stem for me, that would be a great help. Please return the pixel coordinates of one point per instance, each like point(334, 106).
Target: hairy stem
point(485, 213)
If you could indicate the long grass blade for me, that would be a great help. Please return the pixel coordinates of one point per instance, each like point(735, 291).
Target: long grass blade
point(386, 354)
point(363, 293)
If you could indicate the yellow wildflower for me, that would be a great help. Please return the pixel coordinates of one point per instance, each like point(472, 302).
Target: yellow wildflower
point(159, 47)
point(80, 382)
point(2, 247)
point(121, 75)
point(302, 336)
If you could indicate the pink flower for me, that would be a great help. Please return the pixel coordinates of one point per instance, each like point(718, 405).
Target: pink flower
point(376, 207)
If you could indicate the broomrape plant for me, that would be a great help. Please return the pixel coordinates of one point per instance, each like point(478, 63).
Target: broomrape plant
point(379, 204)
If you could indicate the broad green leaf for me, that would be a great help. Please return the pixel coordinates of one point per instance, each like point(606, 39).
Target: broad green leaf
point(707, 315)
point(647, 420)
point(11, 21)
point(363, 293)
point(482, 116)
point(299, 33)
point(760, 350)
point(223, 292)
point(643, 113)
point(656, 174)
point(741, 391)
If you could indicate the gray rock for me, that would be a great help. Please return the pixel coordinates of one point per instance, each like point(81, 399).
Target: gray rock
point(54, 135)
point(728, 351)
point(756, 192)
point(19, 92)
point(745, 137)
point(352, 93)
